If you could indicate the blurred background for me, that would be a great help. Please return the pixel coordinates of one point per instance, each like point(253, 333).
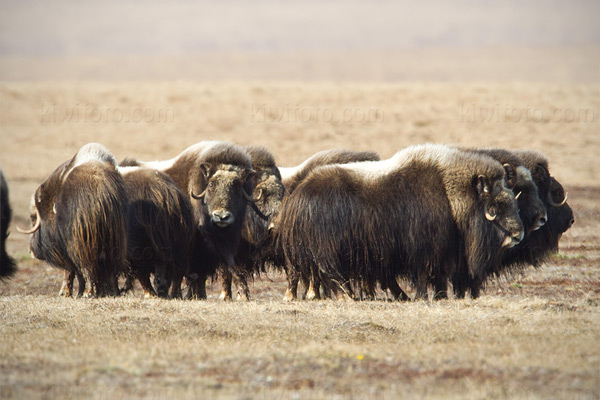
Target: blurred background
point(311, 40)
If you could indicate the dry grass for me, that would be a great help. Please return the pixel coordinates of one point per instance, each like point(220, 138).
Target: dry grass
point(533, 335)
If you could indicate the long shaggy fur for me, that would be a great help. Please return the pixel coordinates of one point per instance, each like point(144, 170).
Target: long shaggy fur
point(8, 267)
point(160, 231)
point(83, 224)
point(538, 245)
point(223, 170)
point(415, 215)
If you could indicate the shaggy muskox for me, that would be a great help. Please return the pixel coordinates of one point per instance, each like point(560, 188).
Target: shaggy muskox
point(217, 177)
point(7, 264)
point(160, 231)
point(292, 177)
point(538, 245)
point(79, 222)
point(255, 249)
point(532, 212)
point(416, 215)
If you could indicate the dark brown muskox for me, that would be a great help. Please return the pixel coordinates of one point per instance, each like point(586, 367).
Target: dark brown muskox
point(217, 178)
point(538, 245)
point(79, 224)
point(255, 250)
point(292, 177)
point(531, 211)
point(416, 215)
point(7, 264)
point(160, 231)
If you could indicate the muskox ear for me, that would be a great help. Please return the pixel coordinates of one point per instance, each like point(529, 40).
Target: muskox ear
point(511, 176)
point(482, 185)
point(206, 169)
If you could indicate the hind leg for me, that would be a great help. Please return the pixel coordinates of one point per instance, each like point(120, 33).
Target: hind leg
point(144, 279)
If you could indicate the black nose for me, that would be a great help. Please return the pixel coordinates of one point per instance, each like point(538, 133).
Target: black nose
point(572, 222)
point(222, 217)
point(542, 220)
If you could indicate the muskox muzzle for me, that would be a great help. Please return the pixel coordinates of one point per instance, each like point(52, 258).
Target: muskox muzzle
point(222, 218)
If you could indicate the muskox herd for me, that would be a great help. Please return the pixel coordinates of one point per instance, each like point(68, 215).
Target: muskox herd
point(344, 223)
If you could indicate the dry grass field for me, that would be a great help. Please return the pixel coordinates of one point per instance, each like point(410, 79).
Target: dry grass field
point(534, 335)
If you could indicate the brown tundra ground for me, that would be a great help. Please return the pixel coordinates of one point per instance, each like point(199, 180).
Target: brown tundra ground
point(532, 335)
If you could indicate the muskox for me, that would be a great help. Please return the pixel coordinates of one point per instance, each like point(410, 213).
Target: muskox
point(538, 245)
point(532, 212)
point(160, 231)
point(416, 215)
point(255, 250)
point(292, 177)
point(7, 264)
point(79, 222)
point(217, 177)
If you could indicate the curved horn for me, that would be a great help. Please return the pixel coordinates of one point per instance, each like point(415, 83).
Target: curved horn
point(517, 196)
point(197, 196)
point(38, 222)
point(489, 216)
point(555, 204)
point(252, 199)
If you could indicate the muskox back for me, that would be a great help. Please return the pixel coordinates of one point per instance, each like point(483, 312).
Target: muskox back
point(81, 208)
point(7, 263)
point(292, 176)
point(160, 230)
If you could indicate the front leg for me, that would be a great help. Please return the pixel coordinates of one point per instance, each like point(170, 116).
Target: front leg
point(66, 289)
point(226, 284)
point(241, 283)
point(291, 292)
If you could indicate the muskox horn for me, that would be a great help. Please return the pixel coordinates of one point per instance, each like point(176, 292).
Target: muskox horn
point(489, 216)
point(555, 204)
point(517, 196)
point(197, 196)
point(250, 198)
point(38, 222)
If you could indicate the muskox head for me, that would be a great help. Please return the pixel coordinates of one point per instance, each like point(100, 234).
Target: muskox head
point(560, 215)
point(531, 208)
point(500, 207)
point(45, 242)
point(268, 193)
point(225, 194)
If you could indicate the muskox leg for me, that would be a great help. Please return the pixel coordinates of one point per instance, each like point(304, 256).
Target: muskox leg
point(81, 282)
point(66, 289)
point(291, 292)
point(161, 283)
point(176, 286)
point(146, 285)
point(241, 283)
point(440, 284)
point(314, 289)
point(476, 284)
point(396, 291)
point(227, 277)
point(344, 291)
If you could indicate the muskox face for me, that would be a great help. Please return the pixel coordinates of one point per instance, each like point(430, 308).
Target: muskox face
point(268, 193)
point(531, 208)
point(500, 207)
point(225, 196)
point(560, 215)
point(45, 241)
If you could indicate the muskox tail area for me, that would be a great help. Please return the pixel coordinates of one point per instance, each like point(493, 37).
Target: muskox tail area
point(92, 220)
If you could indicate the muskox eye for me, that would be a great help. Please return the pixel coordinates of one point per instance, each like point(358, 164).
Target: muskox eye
point(211, 185)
